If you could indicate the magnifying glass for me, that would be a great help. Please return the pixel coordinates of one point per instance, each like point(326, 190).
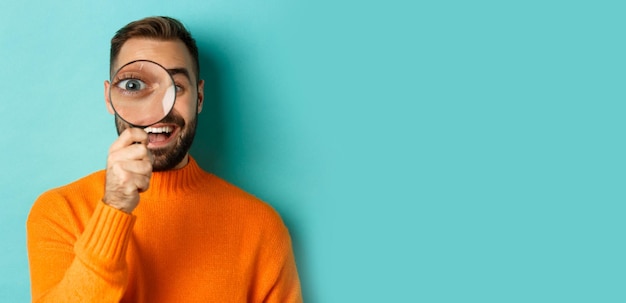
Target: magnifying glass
point(142, 93)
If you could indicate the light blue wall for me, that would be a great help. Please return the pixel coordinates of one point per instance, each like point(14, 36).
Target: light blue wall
point(465, 151)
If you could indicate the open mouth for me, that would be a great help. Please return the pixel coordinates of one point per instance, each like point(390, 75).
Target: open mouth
point(159, 135)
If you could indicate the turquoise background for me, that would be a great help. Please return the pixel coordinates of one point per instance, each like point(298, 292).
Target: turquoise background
point(449, 151)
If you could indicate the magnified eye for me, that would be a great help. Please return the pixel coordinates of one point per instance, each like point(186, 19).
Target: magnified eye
point(132, 85)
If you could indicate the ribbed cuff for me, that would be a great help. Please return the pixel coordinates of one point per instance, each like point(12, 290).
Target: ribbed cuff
point(105, 238)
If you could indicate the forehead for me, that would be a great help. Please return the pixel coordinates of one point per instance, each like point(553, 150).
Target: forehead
point(170, 54)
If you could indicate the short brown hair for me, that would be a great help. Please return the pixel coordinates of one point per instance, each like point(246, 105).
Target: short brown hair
point(159, 27)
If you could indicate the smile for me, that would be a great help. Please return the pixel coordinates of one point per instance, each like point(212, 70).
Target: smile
point(159, 135)
point(158, 130)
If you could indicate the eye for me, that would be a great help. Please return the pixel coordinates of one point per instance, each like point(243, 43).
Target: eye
point(131, 85)
point(179, 88)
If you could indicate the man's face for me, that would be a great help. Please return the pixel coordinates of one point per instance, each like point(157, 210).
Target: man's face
point(171, 138)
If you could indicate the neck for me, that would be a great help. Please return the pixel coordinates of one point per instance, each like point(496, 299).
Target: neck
point(176, 180)
point(182, 163)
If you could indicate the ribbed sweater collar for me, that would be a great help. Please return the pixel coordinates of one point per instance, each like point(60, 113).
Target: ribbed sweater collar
point(176, 180)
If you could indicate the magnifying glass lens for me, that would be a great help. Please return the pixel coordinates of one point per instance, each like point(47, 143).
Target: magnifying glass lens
point(142, 93)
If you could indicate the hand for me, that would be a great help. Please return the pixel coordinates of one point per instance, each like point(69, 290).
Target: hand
point(129, 168)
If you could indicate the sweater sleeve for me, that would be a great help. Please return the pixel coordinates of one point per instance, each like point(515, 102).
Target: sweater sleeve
point(286, 288)
point(281, 269)
point(70, 265)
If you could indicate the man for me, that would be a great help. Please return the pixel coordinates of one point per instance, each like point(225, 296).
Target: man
point(155, 227)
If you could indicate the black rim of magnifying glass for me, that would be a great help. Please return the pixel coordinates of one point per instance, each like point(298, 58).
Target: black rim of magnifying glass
point(111, 100)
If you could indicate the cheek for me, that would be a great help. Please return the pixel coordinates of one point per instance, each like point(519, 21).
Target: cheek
point(185, 106)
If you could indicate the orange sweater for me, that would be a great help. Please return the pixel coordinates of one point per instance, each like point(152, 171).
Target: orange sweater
point(193, 238)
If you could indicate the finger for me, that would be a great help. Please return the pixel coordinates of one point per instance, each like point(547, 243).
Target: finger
point(150, 157)
point(142, 183)
point(124, 173)
point(130, 152)
point(142, 168)
point(129, 136)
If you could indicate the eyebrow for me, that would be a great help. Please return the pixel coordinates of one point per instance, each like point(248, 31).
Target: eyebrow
point(180, 70)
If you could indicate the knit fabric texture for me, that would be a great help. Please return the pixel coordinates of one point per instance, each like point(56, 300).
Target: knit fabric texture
point(193, 238)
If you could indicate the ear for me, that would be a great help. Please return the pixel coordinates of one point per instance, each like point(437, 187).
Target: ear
point(200, 95)
point(107, 99)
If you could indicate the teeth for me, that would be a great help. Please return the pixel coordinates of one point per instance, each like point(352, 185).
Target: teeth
point(158, 130)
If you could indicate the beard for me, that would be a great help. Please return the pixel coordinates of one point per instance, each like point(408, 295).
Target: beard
point(167, 158)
